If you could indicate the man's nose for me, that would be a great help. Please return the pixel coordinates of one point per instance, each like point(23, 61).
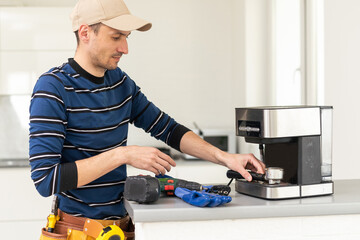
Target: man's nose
point(123, 46)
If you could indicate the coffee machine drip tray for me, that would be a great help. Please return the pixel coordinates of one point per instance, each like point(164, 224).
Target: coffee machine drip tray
point(282, 190)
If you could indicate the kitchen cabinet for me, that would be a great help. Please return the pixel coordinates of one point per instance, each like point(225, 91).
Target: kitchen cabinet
point(21, 205)
point(23, 211)
point(326, 217)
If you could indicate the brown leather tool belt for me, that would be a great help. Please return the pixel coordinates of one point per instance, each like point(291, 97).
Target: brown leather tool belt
point(90, 227)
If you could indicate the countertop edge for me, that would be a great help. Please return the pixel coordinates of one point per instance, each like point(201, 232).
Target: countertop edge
point(251, 212)
point(345, 201)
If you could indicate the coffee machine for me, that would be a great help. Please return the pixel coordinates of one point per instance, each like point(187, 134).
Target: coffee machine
point(295, 139)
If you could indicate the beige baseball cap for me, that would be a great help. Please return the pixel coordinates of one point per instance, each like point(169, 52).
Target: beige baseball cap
point(112, 13)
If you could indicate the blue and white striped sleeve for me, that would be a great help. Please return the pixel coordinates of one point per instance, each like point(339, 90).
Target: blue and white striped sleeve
point(146, 115)
point(48, 122)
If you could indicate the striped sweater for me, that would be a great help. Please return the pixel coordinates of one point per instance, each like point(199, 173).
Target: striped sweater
point(74, 115)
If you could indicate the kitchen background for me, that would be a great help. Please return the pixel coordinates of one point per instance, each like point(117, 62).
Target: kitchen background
point(200, 60)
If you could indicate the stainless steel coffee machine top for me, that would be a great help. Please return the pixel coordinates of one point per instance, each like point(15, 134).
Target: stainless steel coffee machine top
point(297, 140)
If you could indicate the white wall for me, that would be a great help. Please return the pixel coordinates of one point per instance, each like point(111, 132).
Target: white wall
point(342, 85)
point(187, 64)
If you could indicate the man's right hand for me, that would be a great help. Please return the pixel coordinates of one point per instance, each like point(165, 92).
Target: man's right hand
point(147, 158)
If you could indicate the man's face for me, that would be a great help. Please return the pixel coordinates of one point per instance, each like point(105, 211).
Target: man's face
point(107, 46)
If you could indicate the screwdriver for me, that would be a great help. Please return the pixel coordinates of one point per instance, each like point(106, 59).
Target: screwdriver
point(53, 217)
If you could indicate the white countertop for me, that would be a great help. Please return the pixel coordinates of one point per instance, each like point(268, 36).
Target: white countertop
point(345, 200)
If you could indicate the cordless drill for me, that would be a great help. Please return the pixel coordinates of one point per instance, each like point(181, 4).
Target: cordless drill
point(169, 184)
point(147, 189)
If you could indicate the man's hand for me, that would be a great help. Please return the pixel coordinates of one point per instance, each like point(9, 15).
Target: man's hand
point(196, 146)
point(241, 162)
point(148, 158)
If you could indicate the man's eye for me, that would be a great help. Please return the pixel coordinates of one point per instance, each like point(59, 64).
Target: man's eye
point(116, 38)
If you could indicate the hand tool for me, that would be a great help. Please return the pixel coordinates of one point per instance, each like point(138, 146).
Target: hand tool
point(169, 184)
point(142, 189)
point(96, 230)
point(147, 189)
point(111, 232)
point(53, 217)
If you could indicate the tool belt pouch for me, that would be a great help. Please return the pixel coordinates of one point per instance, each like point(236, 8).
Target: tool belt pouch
point(49, 236)
point(129, 230)
point(62, 231)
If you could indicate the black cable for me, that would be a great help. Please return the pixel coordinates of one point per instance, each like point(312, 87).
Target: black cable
point(230, 182)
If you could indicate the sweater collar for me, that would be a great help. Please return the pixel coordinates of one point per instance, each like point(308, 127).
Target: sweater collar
point(84, 73)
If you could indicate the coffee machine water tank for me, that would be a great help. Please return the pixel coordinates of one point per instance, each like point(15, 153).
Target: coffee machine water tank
point(326, 143)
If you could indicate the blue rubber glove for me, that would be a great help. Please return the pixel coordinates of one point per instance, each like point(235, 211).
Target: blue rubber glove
point(192, 197)
point(217, 200)
point(201, 199)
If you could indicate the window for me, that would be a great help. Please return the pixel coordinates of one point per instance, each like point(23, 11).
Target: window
point(286, 57)
point(297, 52)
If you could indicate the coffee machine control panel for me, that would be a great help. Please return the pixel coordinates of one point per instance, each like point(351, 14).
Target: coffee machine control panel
point(249, 128)
point(278, 122)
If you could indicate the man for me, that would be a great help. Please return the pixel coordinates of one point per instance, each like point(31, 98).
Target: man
point(79, 116)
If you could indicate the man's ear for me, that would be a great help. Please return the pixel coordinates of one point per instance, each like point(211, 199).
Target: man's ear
point(84, 33)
